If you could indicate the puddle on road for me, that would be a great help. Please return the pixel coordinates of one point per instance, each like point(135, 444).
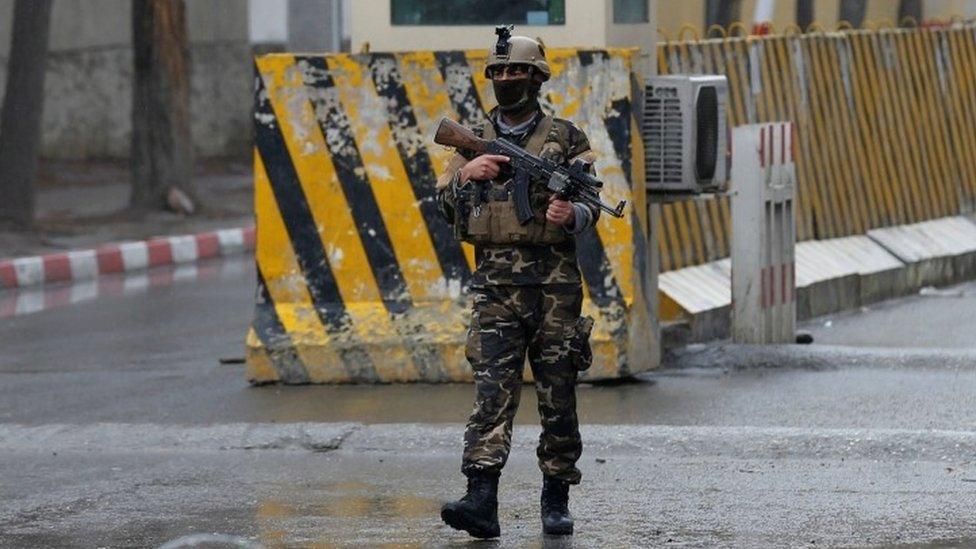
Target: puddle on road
point(343, 501)
point(376, 506)
point(210, 541)
point(357, 508)
point(25, 301)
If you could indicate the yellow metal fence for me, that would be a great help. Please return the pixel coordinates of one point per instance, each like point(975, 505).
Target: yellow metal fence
point(885, 121)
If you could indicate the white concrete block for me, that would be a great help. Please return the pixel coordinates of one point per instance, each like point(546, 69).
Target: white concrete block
point(184, 248)
point(84, 264)
point(135, 255)
point(30, 270)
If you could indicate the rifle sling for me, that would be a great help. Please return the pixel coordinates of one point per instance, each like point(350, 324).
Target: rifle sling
point(538, 137)
point(536, 140)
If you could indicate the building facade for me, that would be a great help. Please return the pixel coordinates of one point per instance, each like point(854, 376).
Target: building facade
point(402, 25)
point(88, 88)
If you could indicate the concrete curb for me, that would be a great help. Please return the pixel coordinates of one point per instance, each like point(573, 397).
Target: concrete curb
point(834, 275)
point(123, 257)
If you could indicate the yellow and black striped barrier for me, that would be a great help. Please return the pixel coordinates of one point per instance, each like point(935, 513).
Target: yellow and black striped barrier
point(885, 119)
point(359, 280)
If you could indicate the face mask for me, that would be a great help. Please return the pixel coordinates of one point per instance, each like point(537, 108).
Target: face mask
point(514, 96)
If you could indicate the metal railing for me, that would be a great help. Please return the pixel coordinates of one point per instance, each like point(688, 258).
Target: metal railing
point(885, 120)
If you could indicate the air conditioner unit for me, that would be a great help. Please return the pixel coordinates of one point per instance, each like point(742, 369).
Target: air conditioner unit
point(685, 134)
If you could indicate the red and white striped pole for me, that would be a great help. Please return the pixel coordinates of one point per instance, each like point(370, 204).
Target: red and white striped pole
point(763, 233)
point(762, 17)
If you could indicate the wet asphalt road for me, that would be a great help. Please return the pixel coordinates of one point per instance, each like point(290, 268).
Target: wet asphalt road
point(118, 427)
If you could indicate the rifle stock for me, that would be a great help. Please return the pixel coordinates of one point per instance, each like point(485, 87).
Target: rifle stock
point(452, 134)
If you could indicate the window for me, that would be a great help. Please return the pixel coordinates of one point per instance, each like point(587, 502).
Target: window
point(630, 11)
point(478, 12)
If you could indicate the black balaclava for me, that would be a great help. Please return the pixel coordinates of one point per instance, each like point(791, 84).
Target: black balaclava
point(516, 96)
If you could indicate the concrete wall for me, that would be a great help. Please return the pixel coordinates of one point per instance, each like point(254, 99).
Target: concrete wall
point(268, 21)
point(316, 25)
point(88, 90)
point(642, 35)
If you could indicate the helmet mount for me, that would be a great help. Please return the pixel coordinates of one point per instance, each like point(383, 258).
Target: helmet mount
point(504, 32)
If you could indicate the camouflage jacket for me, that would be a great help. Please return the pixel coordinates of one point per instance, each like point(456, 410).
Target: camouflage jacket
point(525, 264)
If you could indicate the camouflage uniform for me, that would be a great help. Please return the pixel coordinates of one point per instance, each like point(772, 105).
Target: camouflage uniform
point(527, 299)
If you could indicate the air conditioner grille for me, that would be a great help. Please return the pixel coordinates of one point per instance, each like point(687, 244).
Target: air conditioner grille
point(663, 133)
point(685, 140)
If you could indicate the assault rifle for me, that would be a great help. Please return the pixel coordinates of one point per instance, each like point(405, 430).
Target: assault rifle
point(573, 183)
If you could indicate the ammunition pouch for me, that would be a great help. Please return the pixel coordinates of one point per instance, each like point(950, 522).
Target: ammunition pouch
point(486, 214)
point(578, 339)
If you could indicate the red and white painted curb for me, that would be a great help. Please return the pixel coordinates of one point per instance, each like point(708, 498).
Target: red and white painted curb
point(36, 299)
point(123, 257)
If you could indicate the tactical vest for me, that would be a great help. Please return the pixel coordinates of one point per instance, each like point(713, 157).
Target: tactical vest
point(487, 208)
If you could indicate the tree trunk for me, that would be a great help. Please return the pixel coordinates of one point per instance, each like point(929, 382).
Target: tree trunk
point(162, 151)
point(722, 12)
point(910, 8)
point(23, 104)
point(852, 11)
point(804, 14)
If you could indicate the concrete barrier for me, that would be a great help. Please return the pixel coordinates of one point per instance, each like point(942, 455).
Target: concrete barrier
point(836, 274)
point(702, 295)
point(880, 275)
point(359, 279)
point(939, 251)
point(844, 273)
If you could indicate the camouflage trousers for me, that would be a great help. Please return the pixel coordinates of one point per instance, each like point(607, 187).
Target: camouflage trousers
point(508, 322)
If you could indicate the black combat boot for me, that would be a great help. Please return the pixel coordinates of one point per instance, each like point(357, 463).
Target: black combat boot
point(477, 512)
point(556, 518)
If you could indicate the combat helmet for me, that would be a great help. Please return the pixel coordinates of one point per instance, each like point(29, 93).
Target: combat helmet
point(517, 49)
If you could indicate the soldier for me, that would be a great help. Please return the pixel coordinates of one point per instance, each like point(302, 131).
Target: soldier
point(527, 293)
